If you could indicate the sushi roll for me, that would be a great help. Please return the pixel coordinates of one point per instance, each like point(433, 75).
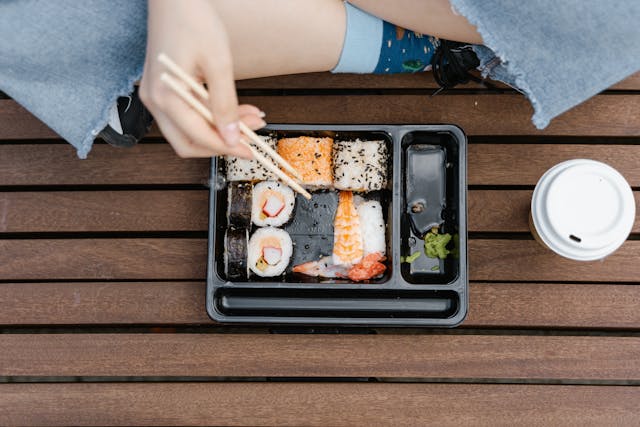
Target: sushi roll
point(311, 157)
point(235, 254)
point(360, 165)
point(239, 204)
point(249, 169)
point(272, 204)
point(269, 251)
point(372, 226)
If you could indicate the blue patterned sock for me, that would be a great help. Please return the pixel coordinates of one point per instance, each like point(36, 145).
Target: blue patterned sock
point(404, 51)
point(372, 45)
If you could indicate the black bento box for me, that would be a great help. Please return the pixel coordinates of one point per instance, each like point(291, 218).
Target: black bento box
point(427, 186)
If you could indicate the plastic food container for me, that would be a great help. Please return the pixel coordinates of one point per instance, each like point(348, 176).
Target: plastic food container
point(427, 188)
point(582, 210)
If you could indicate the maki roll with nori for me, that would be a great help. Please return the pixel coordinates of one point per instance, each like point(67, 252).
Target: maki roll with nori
point(272, 204)
point(239, 204)
point(269, 251)
point(235, 254)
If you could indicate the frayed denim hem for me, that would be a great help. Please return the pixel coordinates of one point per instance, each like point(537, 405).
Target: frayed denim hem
point(101, 122)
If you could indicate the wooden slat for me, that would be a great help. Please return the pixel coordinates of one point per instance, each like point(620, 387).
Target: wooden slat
point(18, 123)
point(508, 305)
point(492, 259)
point(80, 303)
point(553, 305)
point(477, 114)
point(527, 260)
point(85, 211)
point(489, 164)
point(102, 259)
point(369, 81)
point(321, 81)
point(508, 210)
point(66, 211)
point(489, 211)
point(391, 356)
point(317, 404)
point(57, 164)
point(524, 164)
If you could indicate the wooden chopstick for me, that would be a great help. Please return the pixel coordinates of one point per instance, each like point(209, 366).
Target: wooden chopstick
point(187, 97)
point(201, 91)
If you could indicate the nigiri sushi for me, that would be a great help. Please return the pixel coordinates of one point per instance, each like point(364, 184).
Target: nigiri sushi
point(272, 204)
point(269, 251)
point(347, 241)
point(360, 165)
point(372, 226)
point(311, 157)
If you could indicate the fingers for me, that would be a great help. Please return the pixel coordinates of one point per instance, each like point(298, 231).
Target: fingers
point(252, 116)
point(190, 138)
point(180, 143)
point(247, 109)
point(218, 73)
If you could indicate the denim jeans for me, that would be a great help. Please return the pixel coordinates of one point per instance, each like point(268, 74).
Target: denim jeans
point(67, 61)
point(557, 52)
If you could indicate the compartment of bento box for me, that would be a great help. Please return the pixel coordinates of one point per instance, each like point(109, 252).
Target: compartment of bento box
point(431, 206)
point(336, 303)
point(311, 225)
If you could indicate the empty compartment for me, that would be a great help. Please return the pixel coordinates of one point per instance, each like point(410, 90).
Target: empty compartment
point(430, 205)
point(336, 303)
point(311, 224)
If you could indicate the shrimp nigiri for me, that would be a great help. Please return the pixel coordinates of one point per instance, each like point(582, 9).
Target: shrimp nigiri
point(347, 243)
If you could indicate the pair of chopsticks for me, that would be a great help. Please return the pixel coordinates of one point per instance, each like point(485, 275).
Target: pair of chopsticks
point(175, 85)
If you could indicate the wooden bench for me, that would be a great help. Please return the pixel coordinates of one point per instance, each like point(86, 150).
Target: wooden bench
point(102, 283)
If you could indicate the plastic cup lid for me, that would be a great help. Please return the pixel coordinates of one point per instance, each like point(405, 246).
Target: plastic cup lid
point(583, 209)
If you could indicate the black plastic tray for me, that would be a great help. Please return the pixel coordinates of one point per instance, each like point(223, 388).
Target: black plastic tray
point(416, 294)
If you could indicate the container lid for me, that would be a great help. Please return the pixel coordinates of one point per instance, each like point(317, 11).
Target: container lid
point(583, 209)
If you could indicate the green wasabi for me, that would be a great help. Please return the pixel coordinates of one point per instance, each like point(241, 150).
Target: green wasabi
point(435, 245)
point(410, 258)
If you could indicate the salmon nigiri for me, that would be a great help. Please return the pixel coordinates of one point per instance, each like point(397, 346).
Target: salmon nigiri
point(347, 242)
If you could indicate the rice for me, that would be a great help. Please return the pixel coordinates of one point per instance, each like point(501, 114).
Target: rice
point(269, 237)
point(249, 170)
point(372, 226)
point(262, 192)
point(360, 165)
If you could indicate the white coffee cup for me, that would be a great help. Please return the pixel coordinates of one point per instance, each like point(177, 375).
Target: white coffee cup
point(582, 210)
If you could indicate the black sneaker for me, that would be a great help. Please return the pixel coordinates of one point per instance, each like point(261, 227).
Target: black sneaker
point(129, 121)
point(452, 62)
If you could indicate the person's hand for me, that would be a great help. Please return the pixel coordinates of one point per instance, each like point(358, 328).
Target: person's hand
point(191, 33)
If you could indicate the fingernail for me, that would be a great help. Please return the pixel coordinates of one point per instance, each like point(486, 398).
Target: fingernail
point(263, 123)
point(262, 114)
point(231, 133)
